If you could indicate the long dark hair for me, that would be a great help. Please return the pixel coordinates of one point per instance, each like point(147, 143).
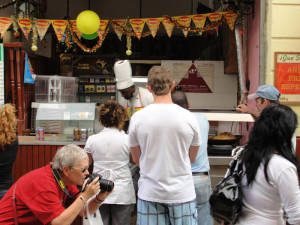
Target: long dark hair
point(272, 134)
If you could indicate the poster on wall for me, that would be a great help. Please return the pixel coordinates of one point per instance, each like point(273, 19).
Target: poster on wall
point(1, 75)
point(206, 85)
point(287, 76)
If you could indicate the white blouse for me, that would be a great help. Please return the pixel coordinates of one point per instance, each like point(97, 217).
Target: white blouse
point(264, 203)
point(110, 151)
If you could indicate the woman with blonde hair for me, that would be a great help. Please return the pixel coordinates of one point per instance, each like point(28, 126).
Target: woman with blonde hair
point(110, 151)
point(8, 146)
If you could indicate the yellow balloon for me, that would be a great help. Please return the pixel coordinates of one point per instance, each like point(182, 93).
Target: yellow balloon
point(88, 22)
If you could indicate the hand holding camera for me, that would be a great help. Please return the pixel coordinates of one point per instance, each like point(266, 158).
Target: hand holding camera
point(90, 187)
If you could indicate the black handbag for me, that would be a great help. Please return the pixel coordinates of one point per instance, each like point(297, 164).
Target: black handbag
point(226, 198)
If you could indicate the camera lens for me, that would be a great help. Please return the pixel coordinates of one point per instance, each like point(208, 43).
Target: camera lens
point(106, 185)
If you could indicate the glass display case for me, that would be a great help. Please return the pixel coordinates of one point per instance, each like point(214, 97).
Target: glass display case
point(61, 121)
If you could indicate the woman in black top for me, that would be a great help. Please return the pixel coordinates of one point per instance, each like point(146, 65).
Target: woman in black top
point(8, 146)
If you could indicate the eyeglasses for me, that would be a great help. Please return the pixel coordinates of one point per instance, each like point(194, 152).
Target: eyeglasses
point(81, 170)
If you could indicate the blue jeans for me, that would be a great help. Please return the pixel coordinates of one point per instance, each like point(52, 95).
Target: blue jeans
point(203, 190)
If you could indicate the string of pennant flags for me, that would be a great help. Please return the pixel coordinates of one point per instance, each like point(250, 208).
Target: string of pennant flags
point(129, 27)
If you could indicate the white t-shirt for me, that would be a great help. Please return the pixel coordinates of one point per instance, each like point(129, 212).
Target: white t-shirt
point(110, 151)
point(264, 202)
point(165, 133)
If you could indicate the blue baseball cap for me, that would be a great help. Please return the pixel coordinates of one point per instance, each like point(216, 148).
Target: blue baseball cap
point(266, 91)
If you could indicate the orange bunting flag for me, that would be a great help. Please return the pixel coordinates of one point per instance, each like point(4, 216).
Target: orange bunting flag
point(169, 26)
point(73, 27)
point(42, 27)
point(215, 17)
point(102, 28)
point(4, 25)
point(59, 27)
point(153, 24)
point(138, 26)
point(25, 26)
point(184, 21)
point(230, 19)
point(199, 21)
point(118, 26)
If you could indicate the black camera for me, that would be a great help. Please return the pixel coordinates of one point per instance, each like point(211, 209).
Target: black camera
point(105, 185)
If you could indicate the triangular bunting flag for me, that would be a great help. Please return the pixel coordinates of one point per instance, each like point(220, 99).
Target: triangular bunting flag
point(25, 25)
point(230, 18)
point(59, 27)
point(28, 71)
point(4, 25)
point(118, 26)
point(169, 26)
point(74, 28)
point(199, 21)
point(102, 28)
point(153, 24)
point(215, 17)
point(42, 27)
point(194, 83)
point(184, 21)
point(137, 26)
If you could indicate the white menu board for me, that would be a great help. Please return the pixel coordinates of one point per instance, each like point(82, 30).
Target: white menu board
point(1, 74)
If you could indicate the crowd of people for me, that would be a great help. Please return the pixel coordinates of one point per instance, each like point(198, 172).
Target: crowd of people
point(165, 150)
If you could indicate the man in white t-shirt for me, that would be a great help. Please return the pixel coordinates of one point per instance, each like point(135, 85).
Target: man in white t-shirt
point(164, 139)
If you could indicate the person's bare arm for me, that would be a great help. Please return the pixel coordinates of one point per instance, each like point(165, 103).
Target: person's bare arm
point(76, 208)
point(136, 154)
point(193, 153)
point(245, 109)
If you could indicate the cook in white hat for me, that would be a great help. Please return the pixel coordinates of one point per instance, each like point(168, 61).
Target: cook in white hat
point(133, 98)
point(123, 75)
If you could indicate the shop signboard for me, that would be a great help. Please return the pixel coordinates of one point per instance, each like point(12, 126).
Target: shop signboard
point(1, 74)
point(287, 76)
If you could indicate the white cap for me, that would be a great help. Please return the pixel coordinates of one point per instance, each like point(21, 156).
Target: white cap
point(123, 74)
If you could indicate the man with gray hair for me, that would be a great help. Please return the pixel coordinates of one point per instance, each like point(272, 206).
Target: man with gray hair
point(164, 140)
point(49, 195)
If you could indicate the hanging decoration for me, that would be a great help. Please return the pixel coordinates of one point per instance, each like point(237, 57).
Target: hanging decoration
point(184, 22)
point(89, 36)
point(42, 27)
point(137, 26)
point(118, 26)
point(199, 21)
point(230, 18)
point(25, 26)
point(169, 25)
point(215, 17)
point(128, 45)
point(68, 33)
point(103, 28)
point(88, 22)
point(82, 46)
point(73, 25)
point(4, 25)
point(153, 25)
point(59, 27)
point(34, 34)
point(15, 26)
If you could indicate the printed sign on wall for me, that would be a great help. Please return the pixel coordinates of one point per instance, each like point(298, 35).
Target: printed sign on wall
point(287, 76)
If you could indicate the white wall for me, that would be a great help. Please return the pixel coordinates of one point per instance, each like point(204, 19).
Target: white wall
point(283, 34)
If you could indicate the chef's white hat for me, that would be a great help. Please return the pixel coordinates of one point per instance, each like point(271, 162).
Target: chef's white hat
point(123, 74)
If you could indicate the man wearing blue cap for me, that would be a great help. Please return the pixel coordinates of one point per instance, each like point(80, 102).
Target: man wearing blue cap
point(265, 95)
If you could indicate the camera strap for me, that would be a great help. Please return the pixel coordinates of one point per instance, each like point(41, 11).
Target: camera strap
point(60, 182)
